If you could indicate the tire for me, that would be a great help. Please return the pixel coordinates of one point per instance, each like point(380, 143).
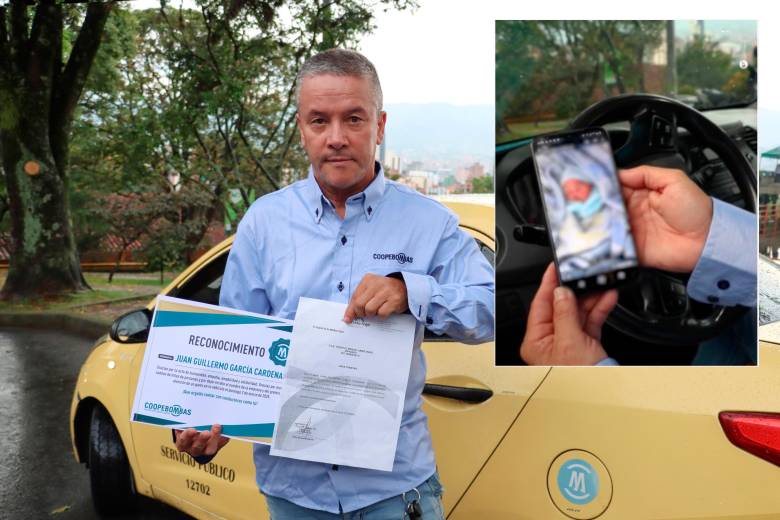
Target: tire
point(109, 471)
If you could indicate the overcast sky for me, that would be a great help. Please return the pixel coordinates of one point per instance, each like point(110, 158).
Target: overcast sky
point(445, 51)
point(438, 53)
point(441, 52)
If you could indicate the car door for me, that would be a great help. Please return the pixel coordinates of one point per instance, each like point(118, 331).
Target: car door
point(471, 404)
point(229, 479)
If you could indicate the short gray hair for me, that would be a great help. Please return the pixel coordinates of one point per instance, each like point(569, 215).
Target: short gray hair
point(340, 62)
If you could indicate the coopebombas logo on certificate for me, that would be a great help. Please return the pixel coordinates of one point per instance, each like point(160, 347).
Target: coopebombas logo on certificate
point(279, 351)
point(175, 410)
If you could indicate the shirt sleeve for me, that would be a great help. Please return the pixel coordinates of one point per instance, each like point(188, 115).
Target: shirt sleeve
point(726, 271)
point(243, 286)
point(456, 296)
point(607, 362)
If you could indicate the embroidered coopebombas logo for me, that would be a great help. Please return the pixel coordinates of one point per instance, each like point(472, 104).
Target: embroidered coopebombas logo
point(401, 258)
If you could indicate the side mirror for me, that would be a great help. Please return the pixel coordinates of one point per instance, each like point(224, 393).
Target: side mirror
point(132, 327)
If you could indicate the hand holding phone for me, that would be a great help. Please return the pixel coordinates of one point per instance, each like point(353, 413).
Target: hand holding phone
point(562, 330)
point(670, 217)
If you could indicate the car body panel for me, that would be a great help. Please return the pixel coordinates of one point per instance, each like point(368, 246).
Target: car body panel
point(464, 434)
point(656, 431)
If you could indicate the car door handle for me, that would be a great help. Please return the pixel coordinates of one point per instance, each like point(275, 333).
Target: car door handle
point(460, 393)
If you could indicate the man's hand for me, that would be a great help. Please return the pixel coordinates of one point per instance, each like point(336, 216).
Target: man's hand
point(377, 296)
point(670, 217)
point(197, 443)
point(562, 331)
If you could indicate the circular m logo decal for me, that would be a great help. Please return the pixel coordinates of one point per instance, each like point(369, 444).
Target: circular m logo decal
point(578, 481)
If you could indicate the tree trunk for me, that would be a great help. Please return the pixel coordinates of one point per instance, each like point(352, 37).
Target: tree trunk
point(118, 261)
point(194, 237)
point(613, 60)
point(39, 96)
point(44, 259)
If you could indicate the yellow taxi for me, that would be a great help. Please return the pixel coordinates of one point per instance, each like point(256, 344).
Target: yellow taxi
point(127, 458)
point(510, 442)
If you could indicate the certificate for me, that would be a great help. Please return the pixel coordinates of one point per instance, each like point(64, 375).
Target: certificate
point(343, 395)
point(206, 364)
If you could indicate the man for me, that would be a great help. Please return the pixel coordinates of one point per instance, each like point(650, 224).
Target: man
point(349, 235)
point(677, 228)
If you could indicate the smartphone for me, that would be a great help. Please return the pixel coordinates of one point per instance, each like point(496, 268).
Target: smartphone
point(586, 217)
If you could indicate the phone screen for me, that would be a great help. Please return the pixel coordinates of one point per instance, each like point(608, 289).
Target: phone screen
point(586, 215)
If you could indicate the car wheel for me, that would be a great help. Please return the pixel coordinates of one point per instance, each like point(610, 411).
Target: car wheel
point(109, 470)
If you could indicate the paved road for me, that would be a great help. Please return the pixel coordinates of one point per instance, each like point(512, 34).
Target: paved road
point(38, 474)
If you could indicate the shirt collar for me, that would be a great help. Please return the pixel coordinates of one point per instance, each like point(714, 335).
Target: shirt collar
point(371, 196)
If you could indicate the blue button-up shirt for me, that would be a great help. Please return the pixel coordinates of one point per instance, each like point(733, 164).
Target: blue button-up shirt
point(291, 243)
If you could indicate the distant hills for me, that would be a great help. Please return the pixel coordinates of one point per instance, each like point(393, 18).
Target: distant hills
point(441, 132)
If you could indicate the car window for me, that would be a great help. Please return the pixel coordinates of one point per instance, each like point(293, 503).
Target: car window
point(704, 64)
point(204, 286)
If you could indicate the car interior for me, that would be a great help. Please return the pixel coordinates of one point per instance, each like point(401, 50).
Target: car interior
point(655, 322)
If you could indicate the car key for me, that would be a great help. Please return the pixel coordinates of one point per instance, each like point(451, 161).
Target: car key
point(413, 510)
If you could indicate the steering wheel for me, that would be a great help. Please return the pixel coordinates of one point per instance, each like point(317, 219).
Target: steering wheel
point(657, 308)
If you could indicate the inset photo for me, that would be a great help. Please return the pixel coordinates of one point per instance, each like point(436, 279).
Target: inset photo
point(626, 192)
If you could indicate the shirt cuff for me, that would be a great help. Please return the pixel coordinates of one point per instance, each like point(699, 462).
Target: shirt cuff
point(607, 362)
point(726, 271)
point(418, 293)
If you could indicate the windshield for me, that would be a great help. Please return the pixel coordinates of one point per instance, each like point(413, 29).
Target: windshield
point(549, 71)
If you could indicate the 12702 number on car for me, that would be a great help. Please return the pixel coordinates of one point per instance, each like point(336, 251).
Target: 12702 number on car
point(199, 487)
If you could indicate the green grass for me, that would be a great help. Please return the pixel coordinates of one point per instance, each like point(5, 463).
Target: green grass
point(101, 279)
point(142, 286)
point(66, 302)
point(97, 295)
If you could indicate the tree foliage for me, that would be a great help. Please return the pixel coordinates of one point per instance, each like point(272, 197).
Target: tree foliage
point(557, 68)
point(701, 64)
point(205, 95)
point(482, 184)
